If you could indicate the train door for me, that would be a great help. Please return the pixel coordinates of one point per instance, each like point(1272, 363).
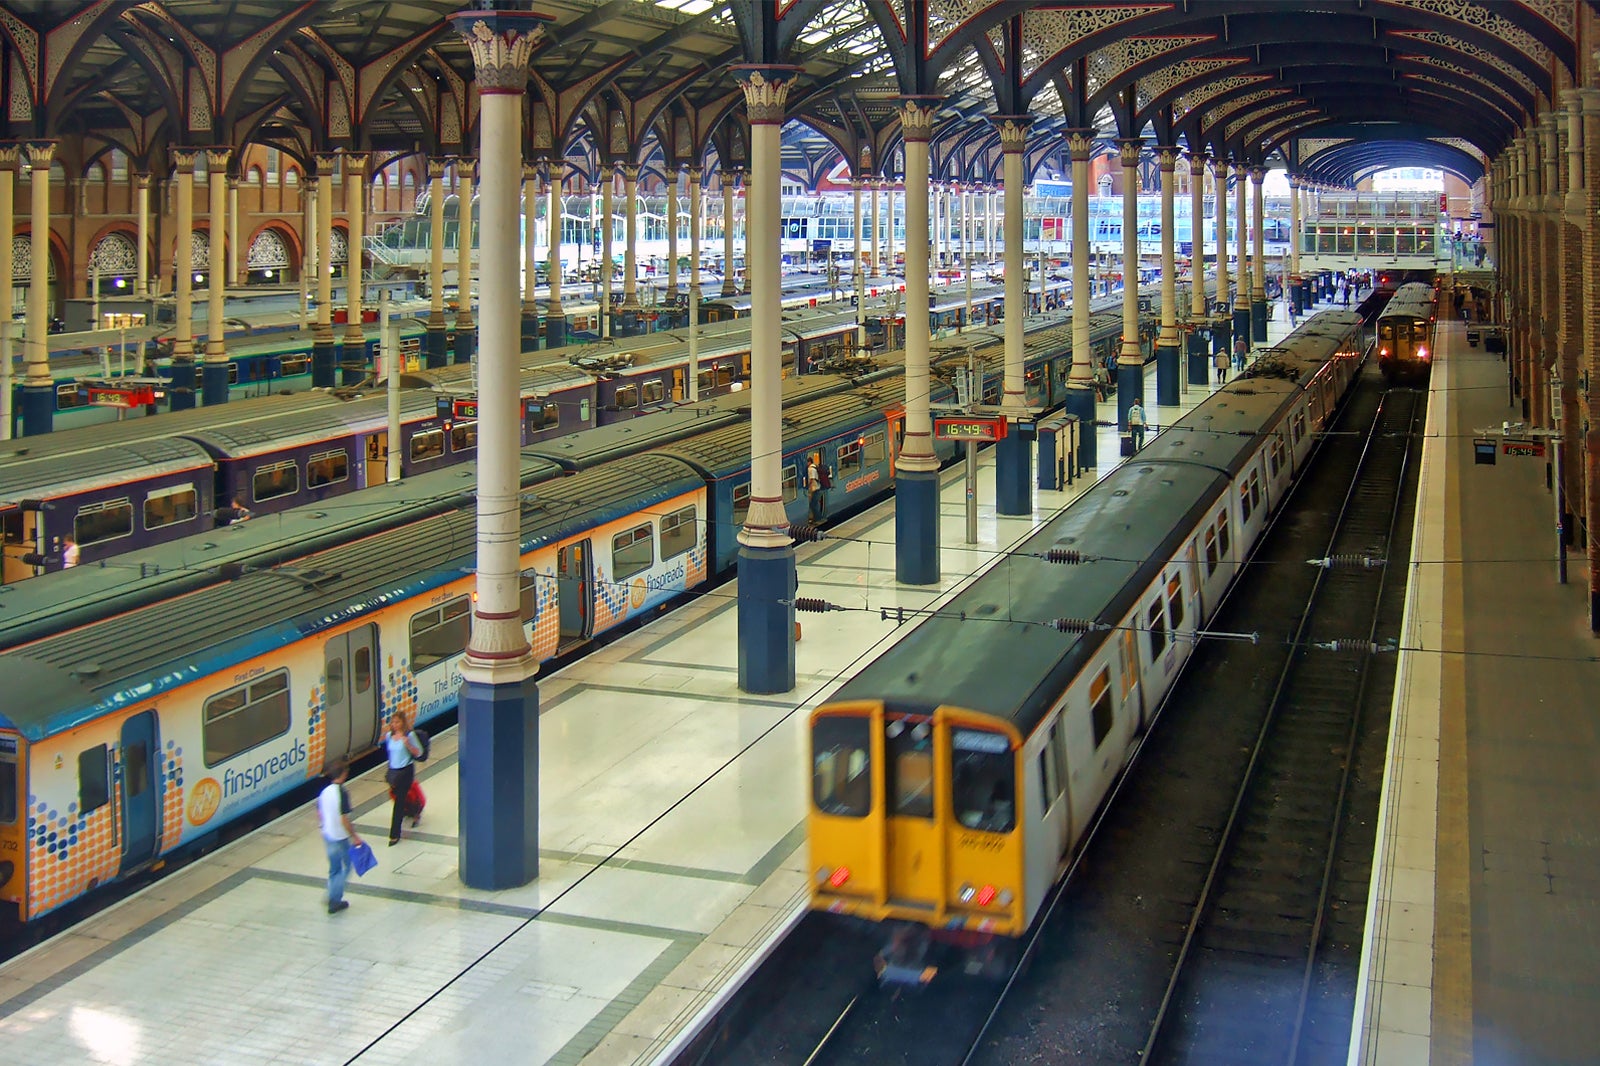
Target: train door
point(350, 705)
point(679, 394)
point(21, 525)
point(377, 471)
point(897, 434)
point(575, 591)
point(141, 790)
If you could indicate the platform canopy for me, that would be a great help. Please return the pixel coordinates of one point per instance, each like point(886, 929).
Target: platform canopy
point(1333, 91)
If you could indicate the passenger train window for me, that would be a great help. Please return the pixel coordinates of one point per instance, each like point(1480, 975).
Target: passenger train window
point(741, 503)
point(1156, 630)
point(94, 779)
point(1050, 768)
point(632, 552)
point(1100, 716)
point(333, 680)
point(328, 468)
point(274, 480)
point(909, 747)
point(1211, 551)
point(427, 445)
point(233, 373)
point(291, 365)
point(440, 633)
point(165, 507)
point(8, 792)
point(1223, 542)
point(464, 437)
point(706, 381)
point(654, 391)
point(1175, 602)
point(1245, 506)
point(68, 397)
point(791, 482)
point(849, 457)
point(724, 376)
point(872, 449)
point(626, 397)
point(243, 717)
point(1255, 488)
point(106, 520)
point(982, 780)
point(841, 766)
point(530, 595)
point(679, 532)
point(361, 665)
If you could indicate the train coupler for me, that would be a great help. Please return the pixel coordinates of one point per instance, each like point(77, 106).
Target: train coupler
point(903, 962)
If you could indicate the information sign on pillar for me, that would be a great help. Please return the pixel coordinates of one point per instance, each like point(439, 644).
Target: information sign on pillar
point(499, 717)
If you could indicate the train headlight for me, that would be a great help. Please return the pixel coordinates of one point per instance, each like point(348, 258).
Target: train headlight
point(966, 893)
point(1422, 351)
point(1383, 351)
point(1005, 897)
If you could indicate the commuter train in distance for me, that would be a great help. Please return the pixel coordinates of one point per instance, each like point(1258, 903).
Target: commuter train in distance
point(1405, 334)
point(954, 778)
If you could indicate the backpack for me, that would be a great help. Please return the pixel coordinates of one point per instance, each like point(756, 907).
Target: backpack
point(825, 477)
point(421, 737)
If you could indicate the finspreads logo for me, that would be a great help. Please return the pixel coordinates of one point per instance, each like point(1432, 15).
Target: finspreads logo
point(209, 794)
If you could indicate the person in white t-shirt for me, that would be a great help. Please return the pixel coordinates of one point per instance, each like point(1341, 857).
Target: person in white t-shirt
point(69, 553)
point(338, 834)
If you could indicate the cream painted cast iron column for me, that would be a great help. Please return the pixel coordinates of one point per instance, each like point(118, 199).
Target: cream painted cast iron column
point(916, 497)
point(498, 773)
point(608, 225)
point(1130, 362)
point(673, 171)
point(38, 388)
point(183, 369)
point(630, 246)
point(1013, 465)
point(466, 328)
point(214, 375)
point(1219, 188)
point(1167, 354)
point(1241, 251)
point(233, 232)
point(529, 318)
point(555, 318)
point(355, 201)
point(323, 345)
point(1258, 272)
point(766, 553)
point(9, 154)
point(1199, 372)
point(876, 184)
point(1080, 382)
point(142, 278)
point(695, 219)
point(859, 277)
point(1548, 287)
point(726, 176)
point(438, 329)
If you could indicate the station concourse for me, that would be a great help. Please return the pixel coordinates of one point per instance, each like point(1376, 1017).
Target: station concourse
point(154, 150)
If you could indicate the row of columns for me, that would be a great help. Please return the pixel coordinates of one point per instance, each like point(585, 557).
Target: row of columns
point(1545, 189)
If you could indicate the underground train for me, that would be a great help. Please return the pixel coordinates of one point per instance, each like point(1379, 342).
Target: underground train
point(167, 702)
point(953, 777)
point(1405, 334)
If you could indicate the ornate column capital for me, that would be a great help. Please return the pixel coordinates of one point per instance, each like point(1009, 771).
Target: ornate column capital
point(326, 163)
point(1128, 151)
point(11, 155)
point(183, 159)
point(1013, 130)
point(217, 156)
point(142, 178)
point(630, 172)
point(917, 114)
point(1219, 167)
point(467, 167)
point(529, 172)
point(694, 175)
point(1258, 174)
point(1588, 99)
point(1167, 158)
point(436, 169)
point(1080, 143)
point(1294, 183)
point(766, 91)
point(500, 42)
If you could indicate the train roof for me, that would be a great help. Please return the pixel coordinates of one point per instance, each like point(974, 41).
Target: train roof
point(54, 476)
point(1412, 300)
point(45, 605)
point(298, 429)
point(993, 648)
point(80, 674)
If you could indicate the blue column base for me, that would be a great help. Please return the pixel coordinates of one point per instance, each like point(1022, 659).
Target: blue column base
point(352, 373)
point(530, 333)
point(214, 387)
point(38, 409)
point(555, 331)
point(916, 527)
point(324, 361)
point(627, 324)
point(767, 586)
point(1012, 473)
point(1130, 387)
point(1258, 321)
point(498, 772)
point(1199, 360)
point(1168, 362)
point(1222, 339)
point(1241, 323)
point(181, 397)
point(1080, 402)
point(436, 347)
point(466, 344)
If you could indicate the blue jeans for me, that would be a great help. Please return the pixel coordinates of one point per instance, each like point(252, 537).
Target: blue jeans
point(338, 867)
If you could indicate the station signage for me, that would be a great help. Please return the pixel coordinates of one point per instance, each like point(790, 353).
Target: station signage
point(465, 409)
point(979, 429)
point(1534, 448)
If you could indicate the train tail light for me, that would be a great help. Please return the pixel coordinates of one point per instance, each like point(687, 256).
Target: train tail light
point(986, 895)
point(1422, 352)
point(835, 878)
point(1383, 351)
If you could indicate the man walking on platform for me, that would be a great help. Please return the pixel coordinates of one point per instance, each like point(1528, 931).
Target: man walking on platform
point(1136, 424)
point(338, 834)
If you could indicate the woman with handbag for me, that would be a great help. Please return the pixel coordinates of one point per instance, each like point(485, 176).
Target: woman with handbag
point(402, 749)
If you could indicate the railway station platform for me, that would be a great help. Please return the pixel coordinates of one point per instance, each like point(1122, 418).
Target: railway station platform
point(1484, 916)
point(672, 861)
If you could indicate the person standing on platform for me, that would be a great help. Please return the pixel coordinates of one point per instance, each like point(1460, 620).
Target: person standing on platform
point(1241, 352)
point(1136, 424)
point(1220, 361)
point(402, 748)
point(338, 834)
point(69, 553)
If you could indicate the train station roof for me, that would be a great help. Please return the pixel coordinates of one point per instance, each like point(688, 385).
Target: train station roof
point(1332, 90)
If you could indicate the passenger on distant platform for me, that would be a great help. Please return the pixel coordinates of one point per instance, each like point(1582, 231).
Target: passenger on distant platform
point(1220, 361)
point(240, 511)
point(1241, 352)
point(1136, 424)
point(69, 553)
point(338, 834)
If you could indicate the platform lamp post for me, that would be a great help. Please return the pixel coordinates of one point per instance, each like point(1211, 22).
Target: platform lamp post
point(499, 716)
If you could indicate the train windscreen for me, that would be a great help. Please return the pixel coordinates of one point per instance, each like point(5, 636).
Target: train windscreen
point(983, 780)
point(841, 766)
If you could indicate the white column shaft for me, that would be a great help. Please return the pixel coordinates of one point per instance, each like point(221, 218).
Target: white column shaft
point(1197, 238)
point(1013, 399)
point(1131, 355)
point(1082, 371)
point(767, 523)
point(216, 280)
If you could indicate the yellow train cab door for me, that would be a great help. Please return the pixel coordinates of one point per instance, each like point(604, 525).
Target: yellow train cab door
point(913, 839)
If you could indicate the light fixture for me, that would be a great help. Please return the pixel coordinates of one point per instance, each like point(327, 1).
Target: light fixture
point(198, 278)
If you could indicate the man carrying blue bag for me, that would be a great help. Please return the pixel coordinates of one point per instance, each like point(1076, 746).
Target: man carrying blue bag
point(338, 834)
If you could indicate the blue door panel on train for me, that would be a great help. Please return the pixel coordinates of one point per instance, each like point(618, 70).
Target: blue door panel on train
point(140, 784)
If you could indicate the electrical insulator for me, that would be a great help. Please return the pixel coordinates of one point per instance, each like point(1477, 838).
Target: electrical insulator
point(1063, 555)
point(812, 605)
point(1071, 625)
